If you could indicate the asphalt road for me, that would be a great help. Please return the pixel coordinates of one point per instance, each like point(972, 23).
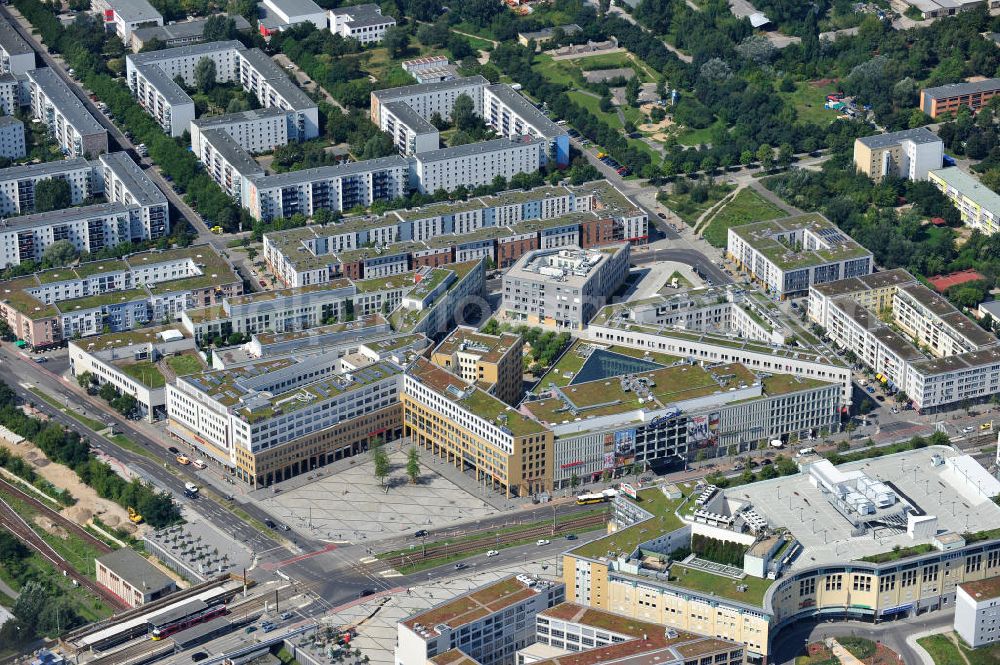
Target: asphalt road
point(691, 257)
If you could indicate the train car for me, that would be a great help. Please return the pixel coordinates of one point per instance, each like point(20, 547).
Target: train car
point(182, 617)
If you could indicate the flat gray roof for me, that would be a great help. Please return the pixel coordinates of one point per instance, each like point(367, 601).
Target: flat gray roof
point(528, 112)
point(362, 15)
point(545, 33)
point(136, 182)
point(165, 85)
point(12, 42)
point(232, 152)
point(208, 122)
point(179, 51)
point(69, 105)
point(918, 135)
point(44, 169)
point(184, 29)
point(327, 172)
point(480, 148)
point(391, 94)
point(135, 570)
point(955, 89)
point(295, 8)
point(410, 118)
point(278, 79)
point(135, 10)
point(970, 187)
point(62, 216)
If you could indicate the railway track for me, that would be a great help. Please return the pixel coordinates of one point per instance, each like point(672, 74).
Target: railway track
point(14, 523)
point(56, 518)
point(134, 654)
point(541, 531)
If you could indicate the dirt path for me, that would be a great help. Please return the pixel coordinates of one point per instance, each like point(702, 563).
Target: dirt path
point(88, 503)
point(706, 217)
point(954, 640)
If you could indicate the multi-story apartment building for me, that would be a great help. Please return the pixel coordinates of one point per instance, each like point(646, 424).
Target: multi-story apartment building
point(410, 132)
point(17, 183)
point(125, 16)
point(562, 288)
point(16, 56)
point(89, 228)
point(134, 363)
point(363, 23)
point(489, 624)
point(225, 160)
point(427, 99)
point(465, 424)
point(274, 419)
point(494, 362)
point(977, 612)
point(511, 115)
point(909, 154)
point(279, 15)
point(932, 353)
point(951, 97)
point(124, 182)
point(181, 33)
point(151, 80)
point(336, 188)
point(978, 205)
point(500, 228)
point(805, 555)
point(787, 256)
point(71, 124)
point(475, 164)
point(12, 94)
point(52, 306)
point(260, 130)
point(11, 137)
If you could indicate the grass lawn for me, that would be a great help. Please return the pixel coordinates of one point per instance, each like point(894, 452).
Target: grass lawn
point(593, 104)
point(184, 364)
point(693, 137)
point(719, 585)
point(746, 207)
point(944, 651)
point(145, 373)
point(808, 100)
point(95, 425)
point(688, 210)
point(664, 520)
point(681, 280)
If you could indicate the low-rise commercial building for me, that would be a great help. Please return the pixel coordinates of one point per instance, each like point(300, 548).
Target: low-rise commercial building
point(76, 131)
point(363, 23)
point(786, 256)
point(126, 574)
point(137, 363)
point(430, 69)
point(909, 154)
point(494, 362)
point(125, 16)
point(50, 307)
point(501, 228)
point(977, 612)
point(804, 558)
point(978, 205)
point(11, 138)
point(279, 15)
point(489, 624)
point(932, 353)
point(545, 35)
point(180, 33)
point(562, 288)
point(16, 56)
point(953, 96)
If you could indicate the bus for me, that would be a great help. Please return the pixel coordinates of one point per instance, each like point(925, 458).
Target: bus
point(601, 497)
point(183, 616)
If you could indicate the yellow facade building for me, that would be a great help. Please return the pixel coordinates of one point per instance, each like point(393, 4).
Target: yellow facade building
point(493, 362)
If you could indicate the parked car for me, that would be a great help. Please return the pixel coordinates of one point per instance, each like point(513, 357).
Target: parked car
point(420, 533)
point(661, 215)
point(571, 536)
point(41, 359)
point(493, 553)
point(460, 566)
point(284, 527)
point(542, 541)
point(183, 460)
point(285, 616)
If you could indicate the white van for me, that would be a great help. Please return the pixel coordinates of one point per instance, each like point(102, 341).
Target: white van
point(805, 451)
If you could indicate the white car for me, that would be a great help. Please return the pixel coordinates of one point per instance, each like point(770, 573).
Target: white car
point(199, 463)
point(493, 553)
point(966, 430)
point(542, 542)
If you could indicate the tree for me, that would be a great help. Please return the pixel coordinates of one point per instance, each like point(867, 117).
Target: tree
point(765, 155)
point(219, 28)
point(463, 113)
point(60, 254)
point(632, 91)
point(396, 40)
point(107, 392)
point(52, 194)
point(204, 74)
point(413, 465)
point(85, 379)
point(785, 155)
point(381, 462)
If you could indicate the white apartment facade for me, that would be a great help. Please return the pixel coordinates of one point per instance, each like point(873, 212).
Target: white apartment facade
point(410, 132)
point(126, 16)
point(126, 183)
point(226, 161)
point(11, 137)
point(475, 164)
point(255, 131)
point(430, 98)
point(978, 205)
point(977, 612)
point(16, 56)
point(11, 94)
point(71, 124)
point(89, 228)
point(17, 183)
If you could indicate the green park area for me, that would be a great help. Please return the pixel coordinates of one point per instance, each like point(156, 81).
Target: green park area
point(949, 648)
point(745, 208)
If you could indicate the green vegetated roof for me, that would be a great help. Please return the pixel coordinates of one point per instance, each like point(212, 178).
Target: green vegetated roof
point(625, 541)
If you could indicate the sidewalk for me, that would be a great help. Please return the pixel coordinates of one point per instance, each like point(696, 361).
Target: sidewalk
point(911, 641)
